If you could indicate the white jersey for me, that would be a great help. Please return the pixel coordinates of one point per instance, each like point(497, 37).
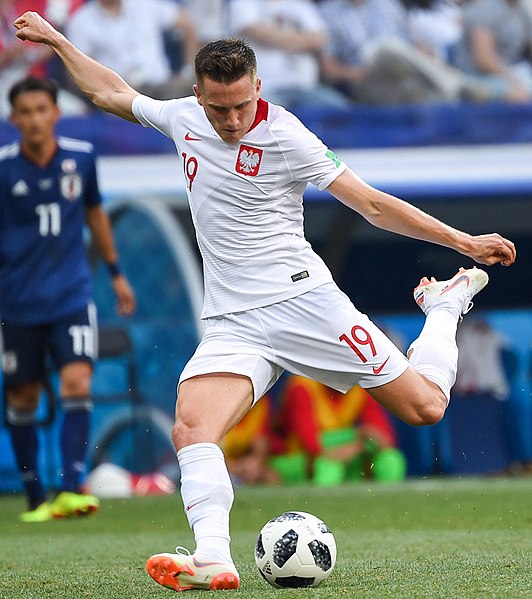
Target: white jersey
point(246, 200)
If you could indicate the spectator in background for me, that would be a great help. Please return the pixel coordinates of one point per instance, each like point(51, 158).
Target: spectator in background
point(434, 26)
point(371, 57)
point(495, 47)
point(488, 366)
point(482, 361)
point(288, 37)
point(19, 60)
point(129, 37)
point(209, 17)
point(343, 437)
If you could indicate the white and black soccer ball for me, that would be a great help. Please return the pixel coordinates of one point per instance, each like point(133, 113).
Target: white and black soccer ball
point(295, 549)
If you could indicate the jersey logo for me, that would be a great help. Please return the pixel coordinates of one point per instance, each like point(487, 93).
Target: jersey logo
point(300, 276)
point(332, 156)
point(378, 369)
point(248, 161)
point(46, 184)
point(71, 186)
point(191, 505)
point(69, 165)
point(20, 188)
point(188, 137)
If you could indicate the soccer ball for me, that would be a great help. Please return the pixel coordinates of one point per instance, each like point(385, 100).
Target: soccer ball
point(295, 549)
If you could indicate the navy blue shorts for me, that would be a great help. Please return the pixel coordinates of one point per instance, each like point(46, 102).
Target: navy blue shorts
point(29, 349)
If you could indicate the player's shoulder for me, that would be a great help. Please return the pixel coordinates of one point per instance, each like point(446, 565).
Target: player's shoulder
point(280, 118)
point(69, 144)
point(285, 126)
point(169, 110)
point(9, 151)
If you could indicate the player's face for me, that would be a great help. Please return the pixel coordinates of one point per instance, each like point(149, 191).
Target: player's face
point(35, 114)
point(230, 107)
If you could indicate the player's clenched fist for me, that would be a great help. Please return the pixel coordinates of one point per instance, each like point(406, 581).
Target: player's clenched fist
point(32, 27)
point(493, 249)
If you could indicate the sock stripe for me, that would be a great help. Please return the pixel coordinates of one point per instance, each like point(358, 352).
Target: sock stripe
point(77, 404)
point(18, 417)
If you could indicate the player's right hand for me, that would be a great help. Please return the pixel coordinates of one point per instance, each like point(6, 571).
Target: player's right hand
point(32, 27)
point(492, 249)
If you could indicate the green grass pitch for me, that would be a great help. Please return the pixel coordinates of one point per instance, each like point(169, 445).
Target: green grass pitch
point(441, 538)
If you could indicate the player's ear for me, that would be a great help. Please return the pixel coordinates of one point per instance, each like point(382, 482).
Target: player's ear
point(258, 86)
point(197, 93)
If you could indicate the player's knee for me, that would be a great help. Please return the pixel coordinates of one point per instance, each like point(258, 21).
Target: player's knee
point(76, 379)
point(428, 411)
point(23, 397)
point(76, 387)
point(186, 431)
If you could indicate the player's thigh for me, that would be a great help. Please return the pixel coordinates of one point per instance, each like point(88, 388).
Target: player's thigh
point(209, 405)
point(412, 398)
point(73, 339)
point(23, 363)
point(235, 343)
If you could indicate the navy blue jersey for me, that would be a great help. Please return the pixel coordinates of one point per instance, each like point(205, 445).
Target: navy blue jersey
point(44, 270)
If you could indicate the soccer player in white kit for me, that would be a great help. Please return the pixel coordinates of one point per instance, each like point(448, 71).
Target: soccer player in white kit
point(270, 301)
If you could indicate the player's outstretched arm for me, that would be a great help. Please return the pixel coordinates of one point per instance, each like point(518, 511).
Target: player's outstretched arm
point(392, 214)
point(101, 85)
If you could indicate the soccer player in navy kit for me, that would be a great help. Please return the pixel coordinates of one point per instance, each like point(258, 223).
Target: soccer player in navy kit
point(49, 191)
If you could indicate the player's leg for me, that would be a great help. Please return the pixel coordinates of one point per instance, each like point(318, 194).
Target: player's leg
point(218, 386)
point(208, 407)
point(434, 354)
point(23, 372)
point(73, 347)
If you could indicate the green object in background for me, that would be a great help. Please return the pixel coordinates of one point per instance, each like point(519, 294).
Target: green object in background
point(291, 467)
point(338, 436)
point(389, 465)
point(357, 467)
point(386, 465)
point(333, 472)
point(328, 472)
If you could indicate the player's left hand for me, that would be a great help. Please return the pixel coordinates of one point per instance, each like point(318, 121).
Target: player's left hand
point(126, 298)
point(491, 249)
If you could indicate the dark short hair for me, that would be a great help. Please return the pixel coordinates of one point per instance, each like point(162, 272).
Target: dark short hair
point(225, 61)
point(33, 84)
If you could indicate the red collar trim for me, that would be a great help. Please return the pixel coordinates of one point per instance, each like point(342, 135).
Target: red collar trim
point(261, 115)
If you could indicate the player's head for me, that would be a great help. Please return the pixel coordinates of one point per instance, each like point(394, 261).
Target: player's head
point(34, 109)
point(227, 86)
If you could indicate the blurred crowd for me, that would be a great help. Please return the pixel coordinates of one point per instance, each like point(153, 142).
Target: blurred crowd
point(328, 53)
point(308, 432)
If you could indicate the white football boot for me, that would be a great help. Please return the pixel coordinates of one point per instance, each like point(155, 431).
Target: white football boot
point(462, 287)
point(182, 571)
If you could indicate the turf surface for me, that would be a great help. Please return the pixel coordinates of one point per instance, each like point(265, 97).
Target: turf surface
point(423, 538)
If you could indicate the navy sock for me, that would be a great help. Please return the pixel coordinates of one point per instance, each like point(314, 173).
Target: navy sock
point(74, 439)
point(25, 444)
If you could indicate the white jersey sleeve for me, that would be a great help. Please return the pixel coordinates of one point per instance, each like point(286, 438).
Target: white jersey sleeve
point(158, 114)
point(307, 157)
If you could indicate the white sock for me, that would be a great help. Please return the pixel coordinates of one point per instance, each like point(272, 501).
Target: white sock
point(207, 497)
point(434, 354)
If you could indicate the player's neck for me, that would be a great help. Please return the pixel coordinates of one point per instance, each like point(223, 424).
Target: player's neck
point(40, 153)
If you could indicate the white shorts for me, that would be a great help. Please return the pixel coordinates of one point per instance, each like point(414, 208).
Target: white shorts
point(319, 335)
